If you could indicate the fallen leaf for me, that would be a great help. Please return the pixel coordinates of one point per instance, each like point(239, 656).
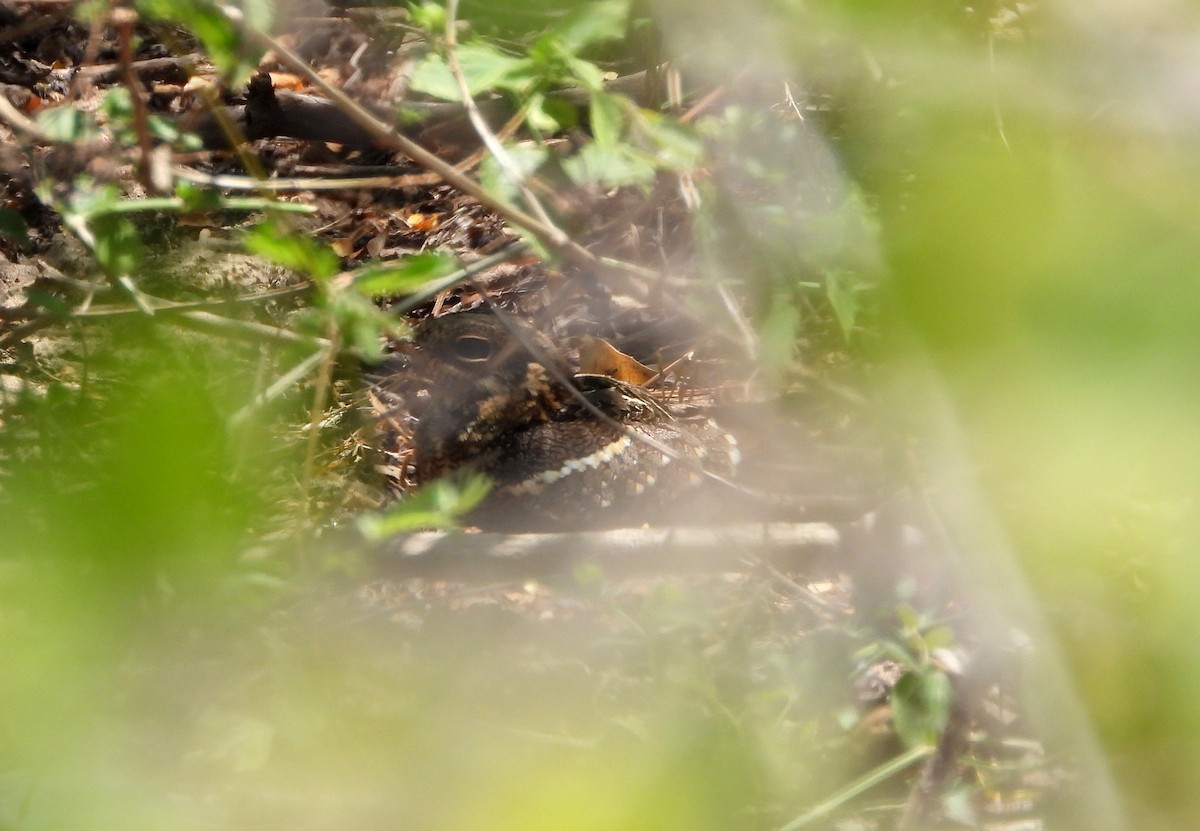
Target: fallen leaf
point(598, 357)
point(286, 80)
point(199, 82)
point(423, 222)
point(343, 247)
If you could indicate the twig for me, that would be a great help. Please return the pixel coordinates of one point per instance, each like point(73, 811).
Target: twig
point(189, 313)
point(248, 329)
point(159, 305)
point(492, 555)
point(176, 203)
point(232, 182)
point(124, 19)
point(149, 68)
point(19, 333)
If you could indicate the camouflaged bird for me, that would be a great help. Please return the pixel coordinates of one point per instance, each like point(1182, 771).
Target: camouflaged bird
point(564, 451)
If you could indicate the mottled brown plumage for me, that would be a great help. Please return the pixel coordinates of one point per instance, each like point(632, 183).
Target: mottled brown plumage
point(592, 452)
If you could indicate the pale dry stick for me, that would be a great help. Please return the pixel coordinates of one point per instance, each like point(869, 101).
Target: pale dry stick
point(490, 141)
point(247, 329)
point(104, 73)
point(388, 137)
point(230, 181)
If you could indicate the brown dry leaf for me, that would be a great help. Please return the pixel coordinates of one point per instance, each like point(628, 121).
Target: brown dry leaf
point(375, 244)
point(286, 80)
point(199, 82)
point(343, 247)
point(599, 357)
point(423, 222)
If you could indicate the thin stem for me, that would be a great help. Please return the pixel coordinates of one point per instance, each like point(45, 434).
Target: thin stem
point(281, 385)
point(506, 162)
point(871, 779)
point(323, 382)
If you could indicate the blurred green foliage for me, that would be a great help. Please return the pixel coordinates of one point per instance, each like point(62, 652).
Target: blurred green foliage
point(1032, 174)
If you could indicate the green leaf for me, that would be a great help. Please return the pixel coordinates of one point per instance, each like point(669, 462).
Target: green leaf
point(361, 323)
point(13, 226)
point(546, 114)
point(117, 104)
point(118, 246)
point(403, 277)
point(921, 704)
point(587, 74)
point(614, 165)
point(607, 117)
point(839, 288)
point(593, 23)
point(939, 637)
point(675, 146)
point(292, 251)
point(197, 198)
point(777, 335)
point(66, 123)
point(433, 77)
point(485, 68)
point(527, 157)
point(908, 617)
point(429, 16)
point(439, 504)
point(49, 302)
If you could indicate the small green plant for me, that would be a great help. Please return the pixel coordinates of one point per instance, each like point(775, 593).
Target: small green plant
point(438, 505)
point(923, 695)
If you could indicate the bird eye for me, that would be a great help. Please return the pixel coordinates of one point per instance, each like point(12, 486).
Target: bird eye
point(472, 349)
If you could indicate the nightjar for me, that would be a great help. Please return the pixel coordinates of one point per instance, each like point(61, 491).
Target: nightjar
point(565, 451)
